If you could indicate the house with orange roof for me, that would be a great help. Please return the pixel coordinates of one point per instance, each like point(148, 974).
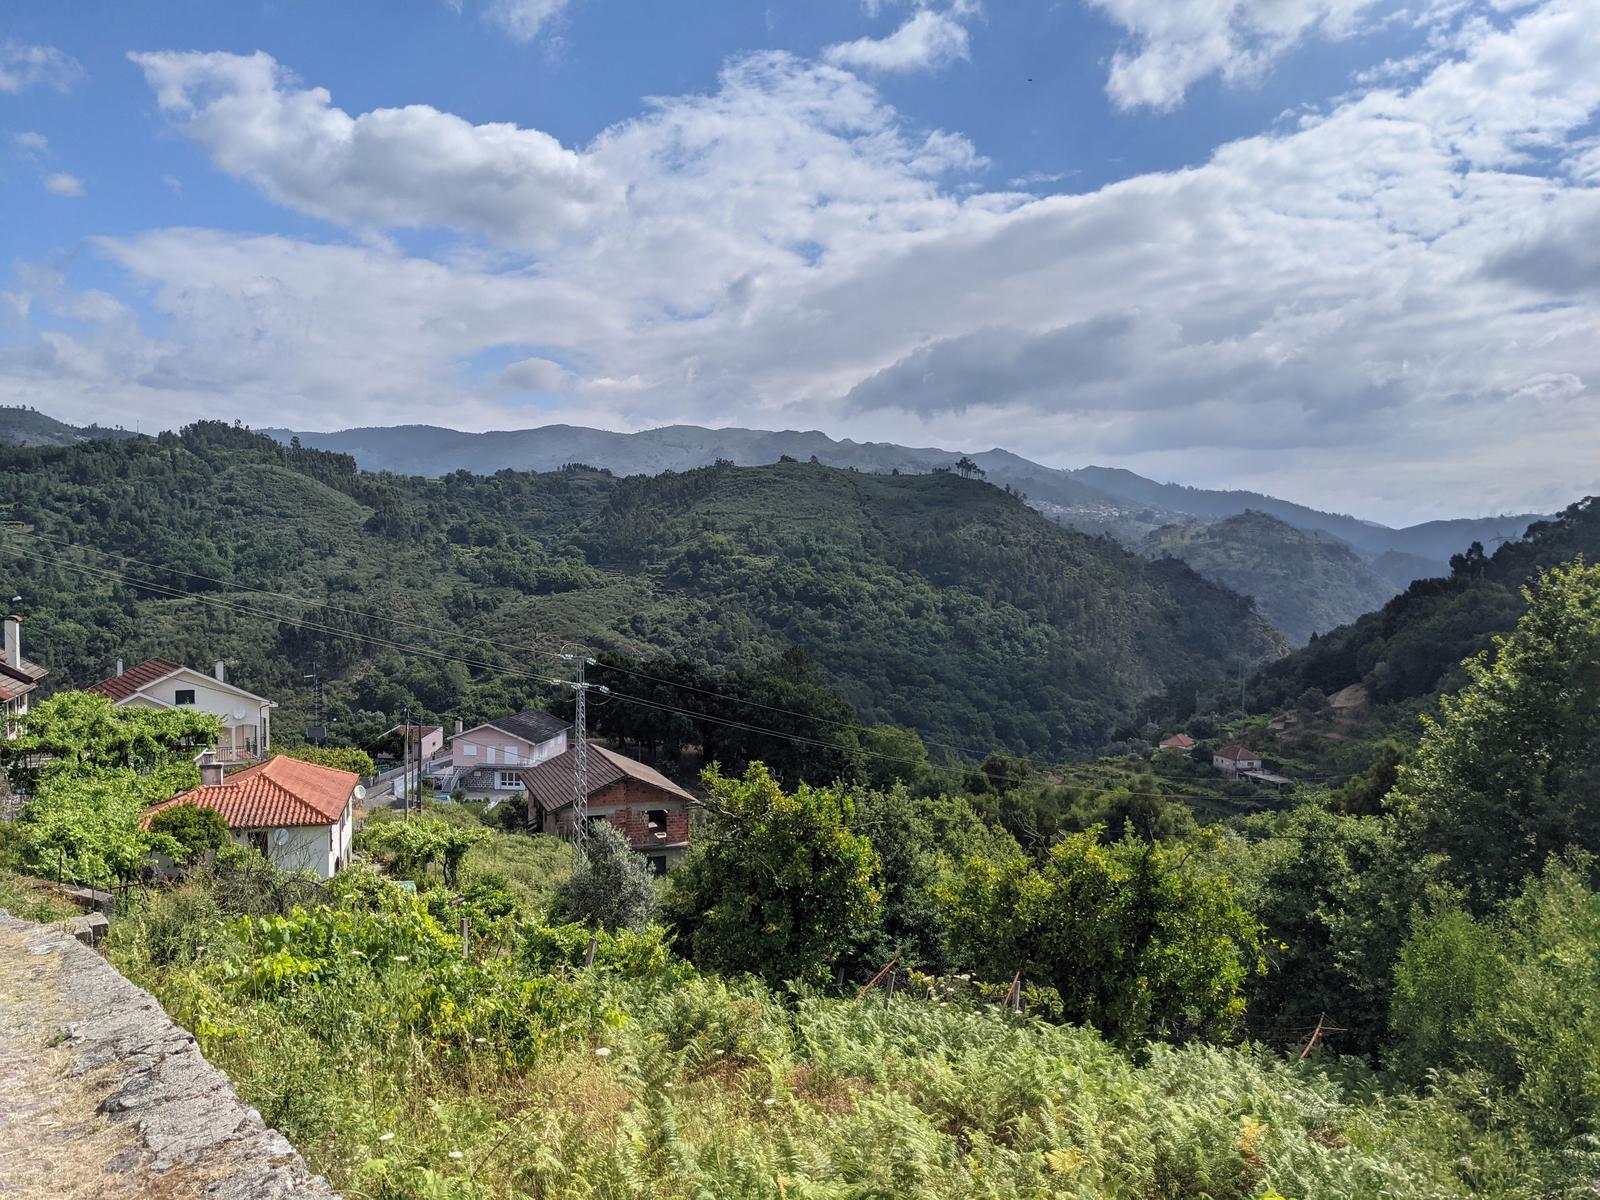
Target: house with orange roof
point(1235, 760)
point(1180, 742)
point(299, 815)
point(18, 678)
point(156, 683)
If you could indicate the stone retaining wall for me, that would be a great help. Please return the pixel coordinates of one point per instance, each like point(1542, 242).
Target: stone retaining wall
point(102, 1097)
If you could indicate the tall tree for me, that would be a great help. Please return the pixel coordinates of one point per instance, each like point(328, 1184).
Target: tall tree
point(1510, 771)
point(778, 883)
point(1132, 938)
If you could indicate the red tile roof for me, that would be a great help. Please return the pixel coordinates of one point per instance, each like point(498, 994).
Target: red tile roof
point(277, 793)
point(1180, 741)
point(120, 687)
point(1237, 754)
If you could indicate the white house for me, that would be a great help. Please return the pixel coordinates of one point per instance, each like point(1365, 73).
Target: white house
point(299, 815)
point(1236, 759)
point(18, 678)
point(487, 759)
point(246, 717)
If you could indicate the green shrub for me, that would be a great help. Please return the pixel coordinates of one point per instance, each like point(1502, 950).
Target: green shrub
point(611, 886)
point(194, 828)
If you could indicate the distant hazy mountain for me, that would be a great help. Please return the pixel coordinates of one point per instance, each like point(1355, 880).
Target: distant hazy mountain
point(1304, 583)
point(30, 427)
point(1095, 499)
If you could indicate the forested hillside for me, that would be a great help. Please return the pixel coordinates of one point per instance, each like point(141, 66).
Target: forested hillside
point(928, 601)
point(1305, 583)
point(1413, 646)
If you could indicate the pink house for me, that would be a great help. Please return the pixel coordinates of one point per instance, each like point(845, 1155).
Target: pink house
point(485, 761)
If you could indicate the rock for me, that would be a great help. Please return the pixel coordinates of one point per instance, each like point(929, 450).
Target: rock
point(102, 1096)
point(90, 928)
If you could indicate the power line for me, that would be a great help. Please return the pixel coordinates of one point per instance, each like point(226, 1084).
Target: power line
point(494, 668)
point(961, 751)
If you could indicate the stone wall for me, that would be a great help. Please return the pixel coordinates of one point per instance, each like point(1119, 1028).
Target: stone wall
point(103, 1097)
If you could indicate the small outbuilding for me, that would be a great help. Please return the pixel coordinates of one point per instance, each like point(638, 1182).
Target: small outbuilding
point(1236, 759)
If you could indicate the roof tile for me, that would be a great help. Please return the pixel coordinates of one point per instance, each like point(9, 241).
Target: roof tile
point(278, 793)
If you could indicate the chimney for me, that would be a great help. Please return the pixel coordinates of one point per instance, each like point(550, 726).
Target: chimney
point(210, 769)
point(14, 642)
point(460, 725)
point(218, 670)
point(119, 668)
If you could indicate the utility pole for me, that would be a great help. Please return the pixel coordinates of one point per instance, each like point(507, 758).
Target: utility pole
point(580, 752)
point(405, 759)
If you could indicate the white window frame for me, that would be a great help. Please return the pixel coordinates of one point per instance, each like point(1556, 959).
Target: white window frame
point(469, 750)
point(513, 777)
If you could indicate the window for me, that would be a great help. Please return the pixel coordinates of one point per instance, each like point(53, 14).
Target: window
point(183, 696)
point(510, 779)
point(511, 754)
point(658, 864)
point(469, 750)
point(657, 817)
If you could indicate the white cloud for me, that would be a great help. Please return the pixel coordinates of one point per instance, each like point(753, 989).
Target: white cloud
point(927, 40)
point(24, 66)
point(534, 375)
point(523, 19)
point(392, 167)
point(30, 145)
point(1177, 43)
point(60, 183)
point(1385, 308)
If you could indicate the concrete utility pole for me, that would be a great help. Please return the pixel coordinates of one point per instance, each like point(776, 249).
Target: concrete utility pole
point(580, 752)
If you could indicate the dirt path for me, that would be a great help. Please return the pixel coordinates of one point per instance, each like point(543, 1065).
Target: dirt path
point(102, 1096)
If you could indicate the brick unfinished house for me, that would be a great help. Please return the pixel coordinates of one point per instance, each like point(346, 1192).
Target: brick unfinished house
point(640, 802)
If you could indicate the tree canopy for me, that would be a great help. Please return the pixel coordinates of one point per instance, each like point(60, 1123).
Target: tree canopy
point(777, 883)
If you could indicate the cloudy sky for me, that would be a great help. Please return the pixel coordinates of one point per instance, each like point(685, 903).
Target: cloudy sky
point(1345, 251)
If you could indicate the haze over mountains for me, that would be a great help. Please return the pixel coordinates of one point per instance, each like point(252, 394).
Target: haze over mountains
point(1111, 495)
point(1309, 571)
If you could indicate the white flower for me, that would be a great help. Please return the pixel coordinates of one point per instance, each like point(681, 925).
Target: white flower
point(769, 1102)
point(602, 1051)
point(457, 1154)
point(386, 1137)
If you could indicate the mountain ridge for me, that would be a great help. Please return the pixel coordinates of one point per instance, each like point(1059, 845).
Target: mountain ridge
point(683, 447)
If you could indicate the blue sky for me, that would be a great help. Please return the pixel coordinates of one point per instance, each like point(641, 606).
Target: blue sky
point(1342, 250)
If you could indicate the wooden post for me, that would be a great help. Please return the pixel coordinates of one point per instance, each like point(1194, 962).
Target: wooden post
point(888, 992)
point(588, 958)
point(873, 982)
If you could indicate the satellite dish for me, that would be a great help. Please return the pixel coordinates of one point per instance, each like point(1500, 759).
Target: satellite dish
point(360, 793)
point(280, 837)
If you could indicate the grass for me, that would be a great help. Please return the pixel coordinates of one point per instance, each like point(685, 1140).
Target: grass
point(33, 899)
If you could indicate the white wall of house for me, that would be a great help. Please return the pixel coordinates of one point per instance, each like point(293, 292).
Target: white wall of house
point(321, 849)
point(250, 716)
point(488, 747)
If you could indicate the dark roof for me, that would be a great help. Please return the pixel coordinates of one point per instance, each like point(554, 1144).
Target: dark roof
point(531, 725)
point(1236, 753)
point(19, 681)
point(120, 687)
point(551, 782)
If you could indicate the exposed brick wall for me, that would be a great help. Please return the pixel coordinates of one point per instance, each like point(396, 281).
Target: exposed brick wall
point(626, 804)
